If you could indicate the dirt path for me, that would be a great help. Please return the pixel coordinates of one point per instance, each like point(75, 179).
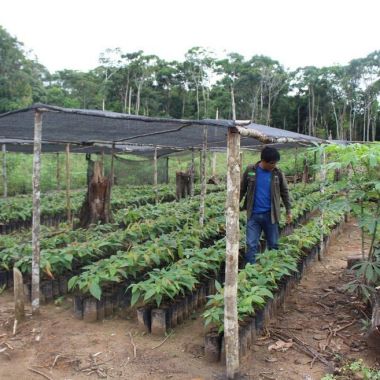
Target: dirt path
point(62, 347)
point(316, 308)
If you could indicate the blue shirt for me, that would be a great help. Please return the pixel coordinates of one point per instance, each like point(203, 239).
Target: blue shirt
point(262, 200)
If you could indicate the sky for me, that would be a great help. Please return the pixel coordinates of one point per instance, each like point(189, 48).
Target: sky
point(71, 34)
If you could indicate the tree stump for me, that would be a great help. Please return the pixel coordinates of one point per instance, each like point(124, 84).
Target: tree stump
point(373, 338)
point(96, 206)
point(183, 185)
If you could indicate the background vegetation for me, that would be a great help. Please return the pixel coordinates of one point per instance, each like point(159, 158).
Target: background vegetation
point(337, 100)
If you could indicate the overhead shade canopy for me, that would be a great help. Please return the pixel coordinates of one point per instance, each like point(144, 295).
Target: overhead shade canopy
point(95, 128)
point(26, 146)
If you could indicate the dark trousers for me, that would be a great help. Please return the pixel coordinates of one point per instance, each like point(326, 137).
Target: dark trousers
point(255, 226)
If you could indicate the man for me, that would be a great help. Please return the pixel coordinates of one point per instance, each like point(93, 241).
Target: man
point(264, 185)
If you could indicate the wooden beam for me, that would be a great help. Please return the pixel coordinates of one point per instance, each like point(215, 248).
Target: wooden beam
point(5, 179)
point(36, 213)
point(231, 333)
point(203, 178)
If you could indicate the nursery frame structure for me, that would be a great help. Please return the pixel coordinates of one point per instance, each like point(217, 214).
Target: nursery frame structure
point(54, 129)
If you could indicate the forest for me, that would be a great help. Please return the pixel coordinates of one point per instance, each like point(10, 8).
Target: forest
point(339, 102)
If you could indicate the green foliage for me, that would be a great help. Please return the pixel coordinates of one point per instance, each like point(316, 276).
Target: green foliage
point(256, 283)
point(355, 369)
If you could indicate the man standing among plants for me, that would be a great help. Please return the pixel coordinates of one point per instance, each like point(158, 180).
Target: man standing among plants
point(263, 184)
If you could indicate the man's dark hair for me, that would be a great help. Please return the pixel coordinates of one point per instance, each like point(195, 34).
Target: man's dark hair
point(270, 154)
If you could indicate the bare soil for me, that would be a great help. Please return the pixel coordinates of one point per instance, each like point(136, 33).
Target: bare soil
point(318, 313)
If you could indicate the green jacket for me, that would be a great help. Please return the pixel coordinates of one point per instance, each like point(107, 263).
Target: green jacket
point(279, 189)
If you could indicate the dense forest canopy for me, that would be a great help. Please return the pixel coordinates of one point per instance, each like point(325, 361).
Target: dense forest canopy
point(341, 101)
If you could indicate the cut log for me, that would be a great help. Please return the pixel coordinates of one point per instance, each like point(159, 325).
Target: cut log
point(96, 206)
point(373, 338)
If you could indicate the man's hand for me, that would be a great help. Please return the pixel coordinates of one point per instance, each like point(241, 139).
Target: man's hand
point(289, 218)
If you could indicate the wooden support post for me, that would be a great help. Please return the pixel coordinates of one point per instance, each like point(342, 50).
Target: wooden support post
point(203, 178)
point(68, 184)
point(18, 287)
point(5, 179)
point(155, 175)
point(231, 333)
point(36, 213)
point(192, 173)
point(322, 190)
point(241, 162)
point(296, 166)
point(58, 173)
point(112, 179)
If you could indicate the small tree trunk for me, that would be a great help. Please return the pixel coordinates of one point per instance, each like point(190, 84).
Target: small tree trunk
point(233, 105)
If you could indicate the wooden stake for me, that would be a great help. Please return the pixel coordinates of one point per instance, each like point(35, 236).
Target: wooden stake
point(58, 173)
point(192, 172)
point(5, 179)
point(203, 178)
point(322, 190)
point(68, 184)
point(36, 213)
point(18, 286)
point(112, 168)
point(155, 175)
point(231, 334)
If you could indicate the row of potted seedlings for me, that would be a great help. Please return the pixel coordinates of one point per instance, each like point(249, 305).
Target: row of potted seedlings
point(54, 212)
point(101, 289)
point(264, 286)
point(91, 244)
point(149, 251)
point(168, 285)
